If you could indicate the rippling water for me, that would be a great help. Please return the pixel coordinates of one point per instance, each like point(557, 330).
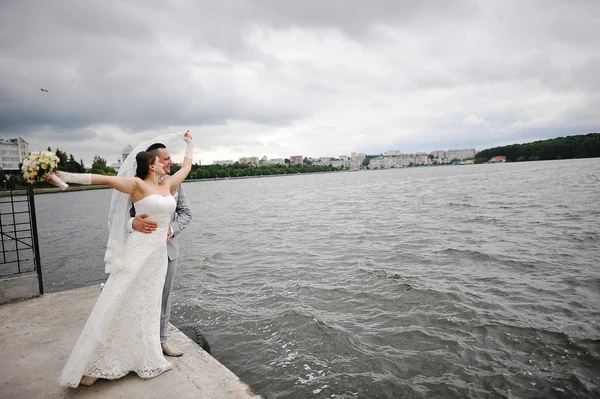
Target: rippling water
point(451, 282)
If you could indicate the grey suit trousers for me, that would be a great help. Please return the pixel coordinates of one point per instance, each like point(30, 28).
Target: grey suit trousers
point(165, 311)
point(180, 218)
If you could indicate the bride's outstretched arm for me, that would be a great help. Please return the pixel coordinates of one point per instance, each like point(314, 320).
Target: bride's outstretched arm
point(186, 167)
point(125, 185)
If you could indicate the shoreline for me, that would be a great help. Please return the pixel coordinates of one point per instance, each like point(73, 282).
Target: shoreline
point(53, 190)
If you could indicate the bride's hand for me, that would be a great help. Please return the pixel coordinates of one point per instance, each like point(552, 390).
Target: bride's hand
point(187, 137)
point(50, 177)
point(53, 178)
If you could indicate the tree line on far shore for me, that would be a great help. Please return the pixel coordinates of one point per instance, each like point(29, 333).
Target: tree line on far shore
point(579, 146)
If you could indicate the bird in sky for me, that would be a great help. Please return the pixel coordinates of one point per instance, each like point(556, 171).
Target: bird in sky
point(44, 90)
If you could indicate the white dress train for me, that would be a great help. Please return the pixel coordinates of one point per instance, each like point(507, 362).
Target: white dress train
point(122, 333)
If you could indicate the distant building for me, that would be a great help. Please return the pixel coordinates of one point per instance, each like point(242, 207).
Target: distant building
point(124, 154)
point(439, 154)
point(401, 161)
point(277, 161)
point(342, 162)
point(356, 160)
point(392, 153)
point(126, 151)
point(296, 160)
point(223, 163)
point(249, 160)
point(378, 163)
point(499, 158)
point(357, 156)
point(461, 153)
point(12, 153)
point(421, 159)
point(116, 165)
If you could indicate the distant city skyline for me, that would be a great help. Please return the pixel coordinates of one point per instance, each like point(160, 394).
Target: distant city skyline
point(454, 152)
point(250, 158)
point(116, 156)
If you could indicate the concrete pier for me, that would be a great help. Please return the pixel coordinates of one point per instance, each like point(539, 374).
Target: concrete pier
point(37, 336)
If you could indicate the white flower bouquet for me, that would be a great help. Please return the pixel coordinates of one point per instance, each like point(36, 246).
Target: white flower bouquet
point(38, 165)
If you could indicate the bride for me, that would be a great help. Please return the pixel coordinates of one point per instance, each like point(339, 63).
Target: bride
point(122, 332)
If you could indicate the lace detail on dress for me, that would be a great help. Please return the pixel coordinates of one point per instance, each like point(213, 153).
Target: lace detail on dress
point(122, 333)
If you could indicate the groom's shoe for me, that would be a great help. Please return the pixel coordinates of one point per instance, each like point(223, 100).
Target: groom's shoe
point(171, 351)
point(87, 380)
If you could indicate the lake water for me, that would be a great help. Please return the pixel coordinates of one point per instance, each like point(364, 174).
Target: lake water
point(451, 282)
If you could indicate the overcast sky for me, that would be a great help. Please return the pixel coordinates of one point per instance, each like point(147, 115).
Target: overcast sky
point(297, 77)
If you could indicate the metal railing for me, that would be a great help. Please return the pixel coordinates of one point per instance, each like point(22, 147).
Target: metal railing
point(18, 235)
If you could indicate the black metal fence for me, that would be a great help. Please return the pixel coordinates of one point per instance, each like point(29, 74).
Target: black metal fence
point(19, 238)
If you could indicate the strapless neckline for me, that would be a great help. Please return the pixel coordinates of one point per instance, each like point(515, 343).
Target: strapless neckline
point(152, 195)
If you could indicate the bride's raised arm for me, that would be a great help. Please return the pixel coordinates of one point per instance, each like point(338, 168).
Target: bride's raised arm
point(179, 176)
point(125, 185)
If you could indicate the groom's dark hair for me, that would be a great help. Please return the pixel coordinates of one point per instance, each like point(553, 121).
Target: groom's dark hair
point(156, 146)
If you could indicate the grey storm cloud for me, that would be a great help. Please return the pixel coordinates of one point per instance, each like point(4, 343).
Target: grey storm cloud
point(320, 77)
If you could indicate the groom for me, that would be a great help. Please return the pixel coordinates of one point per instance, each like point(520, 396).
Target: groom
point(180, 218)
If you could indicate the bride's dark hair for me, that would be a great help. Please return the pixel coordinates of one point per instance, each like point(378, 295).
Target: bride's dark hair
point(144, 159)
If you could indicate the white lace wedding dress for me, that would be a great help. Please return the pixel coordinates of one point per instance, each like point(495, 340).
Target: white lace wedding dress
point(122, 333)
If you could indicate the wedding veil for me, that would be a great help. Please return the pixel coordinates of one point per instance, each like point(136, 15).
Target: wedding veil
point(120, 204)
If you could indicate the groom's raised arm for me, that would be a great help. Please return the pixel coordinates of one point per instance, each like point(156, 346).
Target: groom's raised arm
point(183, 213)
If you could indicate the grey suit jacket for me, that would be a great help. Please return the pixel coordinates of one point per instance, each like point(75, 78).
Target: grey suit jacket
point(179, 219)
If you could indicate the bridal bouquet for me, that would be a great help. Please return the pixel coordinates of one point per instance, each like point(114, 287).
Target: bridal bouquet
point(37, 166)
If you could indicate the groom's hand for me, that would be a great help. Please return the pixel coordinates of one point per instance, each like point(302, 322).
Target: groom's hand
point(143, 225)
